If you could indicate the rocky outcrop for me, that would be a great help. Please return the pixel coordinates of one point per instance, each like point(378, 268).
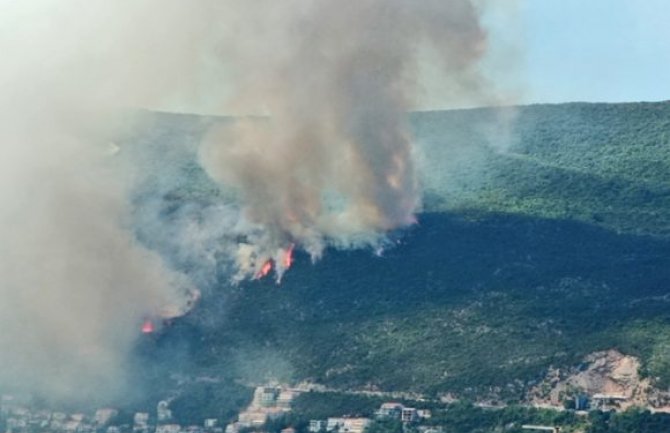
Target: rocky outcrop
point(602, 374)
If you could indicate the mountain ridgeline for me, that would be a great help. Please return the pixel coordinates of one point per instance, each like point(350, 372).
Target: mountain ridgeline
point(544, 236)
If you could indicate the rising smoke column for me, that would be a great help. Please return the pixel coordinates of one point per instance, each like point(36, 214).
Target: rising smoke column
point(333, 162)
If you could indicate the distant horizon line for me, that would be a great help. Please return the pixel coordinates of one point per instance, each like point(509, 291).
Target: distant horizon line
point(418, 110)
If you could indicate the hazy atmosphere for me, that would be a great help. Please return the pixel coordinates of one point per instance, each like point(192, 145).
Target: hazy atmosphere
point(332, 165)
point(298, 194)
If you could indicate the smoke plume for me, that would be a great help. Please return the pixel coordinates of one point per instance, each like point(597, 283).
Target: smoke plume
point(75, 285)
point(333, 162)
point(329, 161)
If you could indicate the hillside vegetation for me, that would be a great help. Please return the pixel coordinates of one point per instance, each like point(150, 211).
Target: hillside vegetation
point(545, 236)
point(602, 164)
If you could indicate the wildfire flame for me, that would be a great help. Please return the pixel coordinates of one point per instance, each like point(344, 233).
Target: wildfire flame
point(265, 269)
point(148, 327)
point(288, 257)
point(281, 262)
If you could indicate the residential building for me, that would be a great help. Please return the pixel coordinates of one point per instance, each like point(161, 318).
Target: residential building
point(266, 396)
point(210, 423)
point(424, 413)
point(193, 429)
point(141, 422)
point(347, 425)
point(285, 398)
point(608, 401)
point(409, 415)
point(390, 410)
point(430, 429)
point(71, 425)
point(252, 418)
point(163, 412)
point(233, 427)
point(141, 419)
point(168, 428)
point(317, 425)
point(103, 416)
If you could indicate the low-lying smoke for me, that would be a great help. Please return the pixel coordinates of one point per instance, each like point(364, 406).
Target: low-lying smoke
point(74, 283)
point(329, 162)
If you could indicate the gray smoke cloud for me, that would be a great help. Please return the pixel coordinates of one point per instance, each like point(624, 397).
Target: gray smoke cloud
point(75, 285)
point(333, 163)
point(330, 162)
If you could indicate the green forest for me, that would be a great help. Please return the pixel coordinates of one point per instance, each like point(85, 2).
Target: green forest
point(544, 236)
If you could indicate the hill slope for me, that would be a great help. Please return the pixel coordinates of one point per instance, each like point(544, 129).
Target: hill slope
point(545, 236)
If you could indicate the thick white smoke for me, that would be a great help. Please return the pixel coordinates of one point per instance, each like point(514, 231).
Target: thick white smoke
point(74, 283)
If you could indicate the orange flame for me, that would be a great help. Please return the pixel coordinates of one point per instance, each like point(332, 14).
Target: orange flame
point(265, 269)
point(148, 327)
point(288, 257)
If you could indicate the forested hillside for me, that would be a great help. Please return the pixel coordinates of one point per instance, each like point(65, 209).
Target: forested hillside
point(602, 164)
point(545, 235)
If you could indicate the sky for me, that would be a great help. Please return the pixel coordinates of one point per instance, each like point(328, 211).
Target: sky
point(590, 50)
point(540, 51)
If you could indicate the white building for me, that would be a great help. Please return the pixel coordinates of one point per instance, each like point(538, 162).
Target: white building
point(168, 428)
point(424, 413)
point(141, 419)
point(163, 412)
point(252, 418)
point(317, 425)
point(103, 416)
point(430, 429)
point(71, 425)
point(141, 422)
point(409, 415)
point(390, 410)
point(347, 425)
point(285, 398)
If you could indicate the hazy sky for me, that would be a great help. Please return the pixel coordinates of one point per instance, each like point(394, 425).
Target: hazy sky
point(540, 51)
point(595, 50)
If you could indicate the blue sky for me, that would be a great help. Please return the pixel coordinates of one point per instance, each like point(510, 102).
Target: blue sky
point(592, 50)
